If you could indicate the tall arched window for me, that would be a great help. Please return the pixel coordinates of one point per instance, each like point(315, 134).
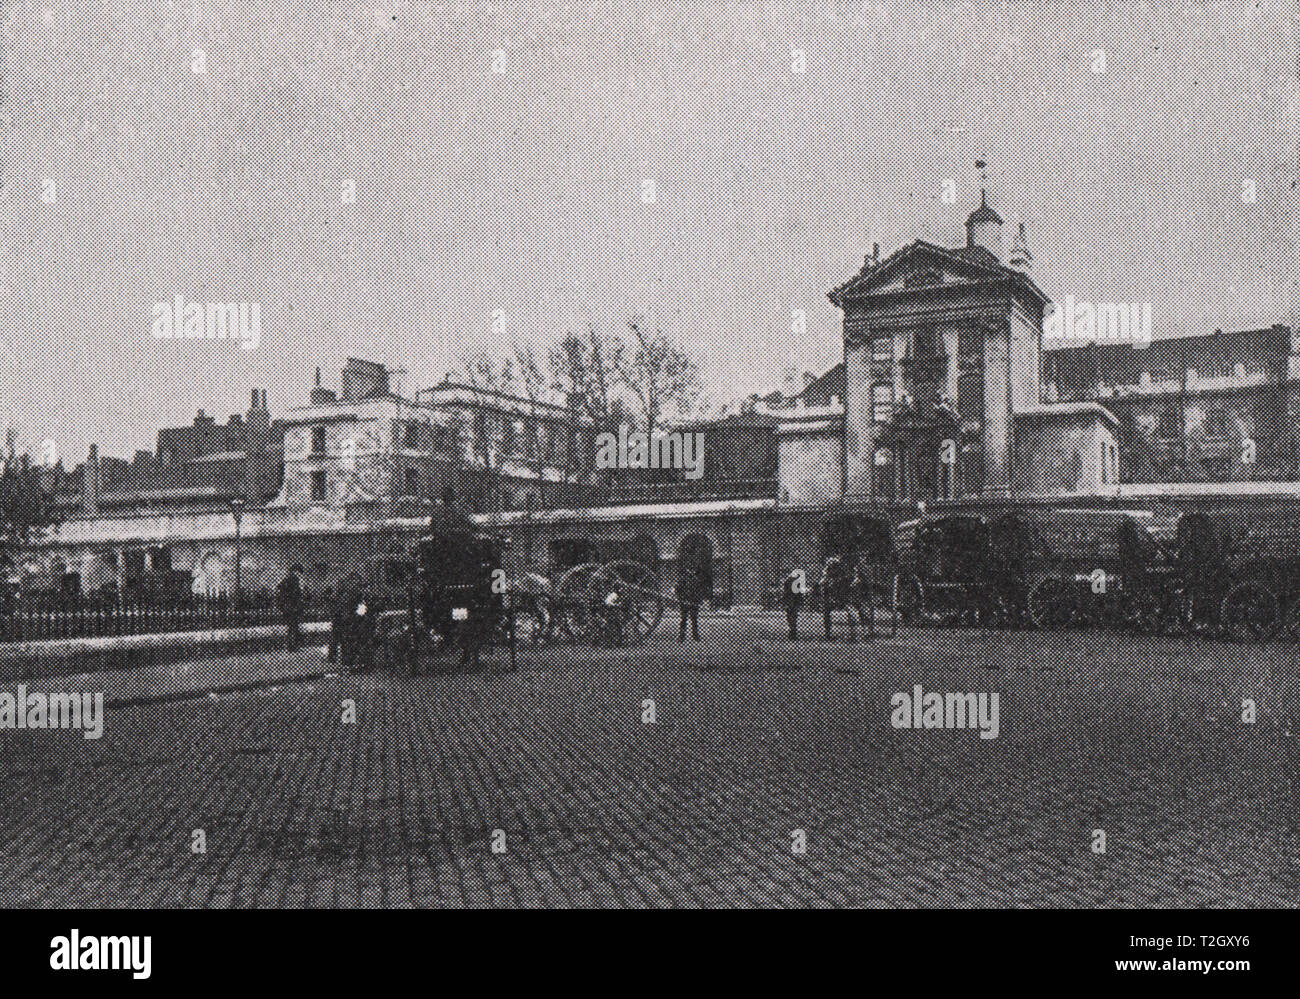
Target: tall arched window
point(1170, 425)
point(1218, 425)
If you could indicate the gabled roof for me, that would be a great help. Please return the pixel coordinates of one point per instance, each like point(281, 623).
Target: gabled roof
point(971, 262)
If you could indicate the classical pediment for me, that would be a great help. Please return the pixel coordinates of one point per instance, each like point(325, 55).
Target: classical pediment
point(923, 265)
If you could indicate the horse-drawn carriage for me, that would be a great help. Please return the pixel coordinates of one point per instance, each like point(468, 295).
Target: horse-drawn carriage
point(451, 594)
point(964, 569)
point(587, 573)
point(1230, 572)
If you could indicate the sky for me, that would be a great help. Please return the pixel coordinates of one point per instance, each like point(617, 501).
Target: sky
point(525, 191)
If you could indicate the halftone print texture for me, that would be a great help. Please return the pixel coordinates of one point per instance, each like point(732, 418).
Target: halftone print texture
point(765, 455)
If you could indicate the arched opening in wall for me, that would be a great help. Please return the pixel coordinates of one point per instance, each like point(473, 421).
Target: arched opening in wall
point(1170, 425)
point(568, 552)
point(212, 578)
point(1218, 425)
point(695, 553)
point(643, 549)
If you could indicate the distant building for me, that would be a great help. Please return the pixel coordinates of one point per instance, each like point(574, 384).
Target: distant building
point(1222, 407)
point(940, 387)
point(497, 451)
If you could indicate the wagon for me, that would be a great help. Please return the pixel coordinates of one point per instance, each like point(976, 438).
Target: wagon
point(586, 574)
point(455, 597)
point(1100, 567)
point(964, 569)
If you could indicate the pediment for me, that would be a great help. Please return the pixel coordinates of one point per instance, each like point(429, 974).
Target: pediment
point(922, 265)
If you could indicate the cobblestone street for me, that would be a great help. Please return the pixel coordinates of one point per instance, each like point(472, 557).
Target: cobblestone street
point(1141, 738)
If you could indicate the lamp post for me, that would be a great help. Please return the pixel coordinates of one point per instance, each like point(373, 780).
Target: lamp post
point(237, 510)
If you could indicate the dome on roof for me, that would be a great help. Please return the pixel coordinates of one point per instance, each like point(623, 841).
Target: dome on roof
point(983, 213)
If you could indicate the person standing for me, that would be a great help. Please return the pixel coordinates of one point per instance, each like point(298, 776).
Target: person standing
point(292, 601)
point(347, 599)
point(833, 590)
point(336, 625)
point(690, 594)
point(792, 594)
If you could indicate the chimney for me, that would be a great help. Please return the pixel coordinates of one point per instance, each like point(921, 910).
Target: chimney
point(90, 483)
point(257, 458)
point(322, 396)
point(1020, 259)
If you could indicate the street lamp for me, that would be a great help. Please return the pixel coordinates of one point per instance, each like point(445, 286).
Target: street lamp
point(237, 510)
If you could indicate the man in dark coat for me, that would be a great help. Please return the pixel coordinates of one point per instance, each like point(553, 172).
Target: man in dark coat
point(690, 594)
point(792, 595)
point(336, 625)
point(834, 583)
point(292, 601)
point(354, 618)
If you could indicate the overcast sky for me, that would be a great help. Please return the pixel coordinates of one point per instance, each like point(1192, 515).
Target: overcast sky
point(523, 191)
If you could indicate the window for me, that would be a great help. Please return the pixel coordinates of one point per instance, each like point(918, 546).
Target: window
point(925, 343)
point(481, 442)
point(411, 436)
point(531, 431)
point(882, 351)
point(318, 487)
point(317, 440)
point(411, 482)
point(508, 439)
point(1217, 424)
point(1170, 426)
point(882, 403)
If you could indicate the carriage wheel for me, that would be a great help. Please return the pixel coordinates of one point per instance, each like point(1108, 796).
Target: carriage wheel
point(572, 608)
point(528, 622)
point(1292, 622)
point(1249, 612)
point(638, 588)
point(1052, 604)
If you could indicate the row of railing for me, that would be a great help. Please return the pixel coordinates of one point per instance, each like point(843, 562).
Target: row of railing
point(40, 619)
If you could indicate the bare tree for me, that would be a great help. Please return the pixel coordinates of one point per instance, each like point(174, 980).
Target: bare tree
point(661, 375)
point(27, 502)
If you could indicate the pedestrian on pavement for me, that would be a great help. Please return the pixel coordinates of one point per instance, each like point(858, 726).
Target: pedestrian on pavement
point(792, 594)
point(9, 605)
point(857, 594)
point(350, 611)
point(834, 584)
point(690, 594)
point(336, 624)
point(292, 601)
point(613, 619)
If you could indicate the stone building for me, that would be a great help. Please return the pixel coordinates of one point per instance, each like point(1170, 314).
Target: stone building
point(945, 397)
point(1218, 408)
point(942, 360)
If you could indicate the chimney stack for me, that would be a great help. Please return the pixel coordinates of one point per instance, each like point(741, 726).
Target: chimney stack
point(90, 483)
point(257, 459)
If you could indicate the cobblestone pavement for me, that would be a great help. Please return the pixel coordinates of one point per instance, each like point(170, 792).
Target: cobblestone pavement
point(1141, 738)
